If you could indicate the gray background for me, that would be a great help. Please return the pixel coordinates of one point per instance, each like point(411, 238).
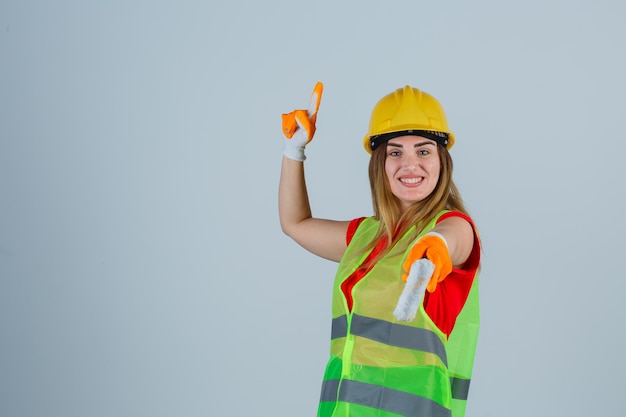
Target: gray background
point(142, 267)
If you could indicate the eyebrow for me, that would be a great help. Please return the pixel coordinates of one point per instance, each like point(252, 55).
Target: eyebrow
point(398, 145)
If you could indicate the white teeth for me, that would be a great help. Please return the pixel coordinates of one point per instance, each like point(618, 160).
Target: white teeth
point(410, 180)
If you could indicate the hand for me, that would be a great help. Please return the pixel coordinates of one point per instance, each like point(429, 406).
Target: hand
point(433, 247)
point(299, 126)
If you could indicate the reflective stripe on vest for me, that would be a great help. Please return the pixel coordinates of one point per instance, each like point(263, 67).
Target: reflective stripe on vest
point(382, 398)
point(460, 388)
point(402, 336)
point(390, 334)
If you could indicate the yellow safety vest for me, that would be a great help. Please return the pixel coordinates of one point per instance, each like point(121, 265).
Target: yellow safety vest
point(381, 367)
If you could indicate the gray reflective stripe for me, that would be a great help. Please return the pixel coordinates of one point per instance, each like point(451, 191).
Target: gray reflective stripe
point(329, 390)
point(398, 335)
point(460, 388)
point(339, 327)
point(391, 400)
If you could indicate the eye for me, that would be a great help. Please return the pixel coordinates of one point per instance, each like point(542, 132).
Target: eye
point(423, 152)
point(394, 153)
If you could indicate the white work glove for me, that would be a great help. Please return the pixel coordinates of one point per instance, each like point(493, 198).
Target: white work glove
point(299, 126)
point(419, 275)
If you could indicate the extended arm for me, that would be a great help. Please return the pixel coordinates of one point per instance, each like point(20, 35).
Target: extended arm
point(459, 237)
point(431, 259)
point(447, 245)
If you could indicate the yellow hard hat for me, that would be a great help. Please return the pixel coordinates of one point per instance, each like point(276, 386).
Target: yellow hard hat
point(408, 111)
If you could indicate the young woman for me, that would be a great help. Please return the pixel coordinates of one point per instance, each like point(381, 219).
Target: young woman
point(405, 299)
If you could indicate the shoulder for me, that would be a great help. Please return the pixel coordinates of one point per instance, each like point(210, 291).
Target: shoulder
point(353, 226)
point(455, 215)
point(459, 221)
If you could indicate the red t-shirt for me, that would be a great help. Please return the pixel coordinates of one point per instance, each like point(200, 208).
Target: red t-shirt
point(446, 302)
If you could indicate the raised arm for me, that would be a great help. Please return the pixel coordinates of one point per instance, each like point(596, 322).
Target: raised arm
point(325, 238)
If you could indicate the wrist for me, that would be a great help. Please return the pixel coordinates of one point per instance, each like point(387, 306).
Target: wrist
point(294, 152)
point(440, 236)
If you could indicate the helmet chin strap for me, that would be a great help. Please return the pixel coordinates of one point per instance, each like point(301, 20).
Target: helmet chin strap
point(440, 137)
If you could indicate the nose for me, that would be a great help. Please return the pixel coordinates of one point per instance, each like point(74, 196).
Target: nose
point(410, 159)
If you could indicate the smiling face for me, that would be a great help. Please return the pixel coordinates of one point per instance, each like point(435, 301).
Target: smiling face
point(412, 166)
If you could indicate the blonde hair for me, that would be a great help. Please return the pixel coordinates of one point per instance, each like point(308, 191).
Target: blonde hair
point(394, 223)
